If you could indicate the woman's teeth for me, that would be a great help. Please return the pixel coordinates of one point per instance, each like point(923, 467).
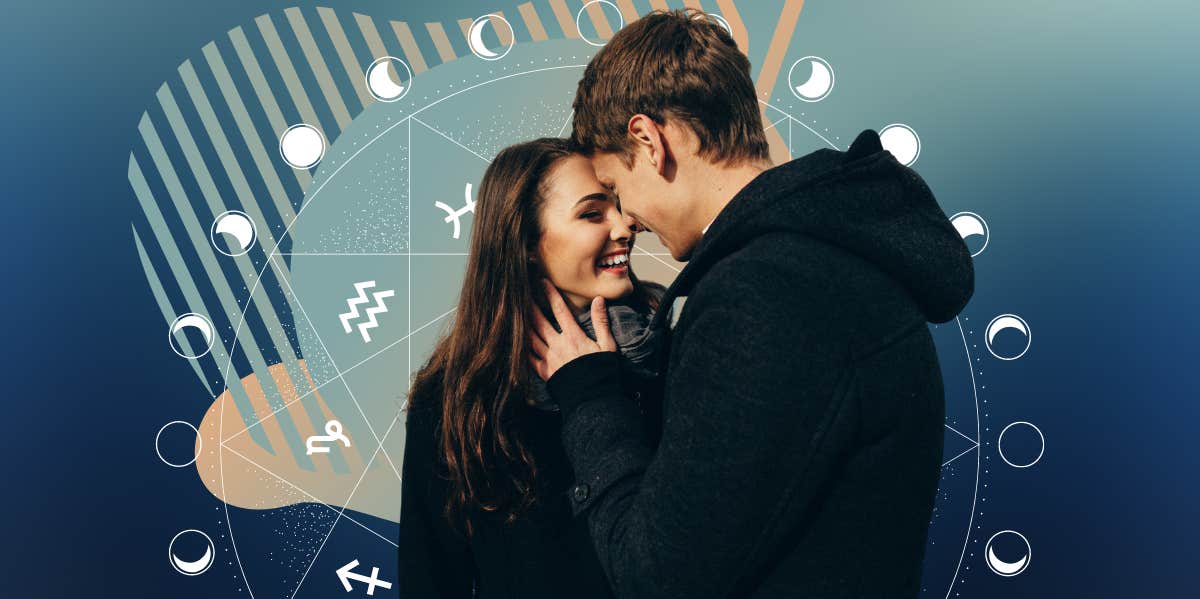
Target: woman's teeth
point(613, 261)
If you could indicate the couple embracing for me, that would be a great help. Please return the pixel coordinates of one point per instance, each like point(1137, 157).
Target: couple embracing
point(581, 433)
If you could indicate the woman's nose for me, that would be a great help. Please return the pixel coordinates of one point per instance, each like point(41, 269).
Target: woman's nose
point(625, 227)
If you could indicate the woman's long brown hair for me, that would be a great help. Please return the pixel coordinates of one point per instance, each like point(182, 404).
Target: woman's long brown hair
point(481, 364)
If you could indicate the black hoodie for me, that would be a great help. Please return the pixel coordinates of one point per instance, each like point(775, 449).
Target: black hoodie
point(802, 402)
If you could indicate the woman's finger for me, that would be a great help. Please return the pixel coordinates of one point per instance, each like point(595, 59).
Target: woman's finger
point(542, 327)
point(604, 336)
point(561, 312)
point(538, 346)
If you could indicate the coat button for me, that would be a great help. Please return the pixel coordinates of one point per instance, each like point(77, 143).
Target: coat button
point(580, 493)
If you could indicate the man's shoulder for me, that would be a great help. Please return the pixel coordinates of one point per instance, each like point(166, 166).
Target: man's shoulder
point(774, 265)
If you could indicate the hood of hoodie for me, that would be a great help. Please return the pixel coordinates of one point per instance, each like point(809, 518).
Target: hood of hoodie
point(862, 201)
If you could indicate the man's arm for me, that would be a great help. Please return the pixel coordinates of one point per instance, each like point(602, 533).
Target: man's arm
point(751, 409)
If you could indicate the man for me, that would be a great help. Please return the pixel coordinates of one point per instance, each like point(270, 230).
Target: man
point(803, 401)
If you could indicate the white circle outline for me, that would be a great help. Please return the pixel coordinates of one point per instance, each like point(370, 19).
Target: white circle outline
point(511, 31)
point(212, 232)
point(579, 14)
point(1028, 337)
point(171, 554)
point(987, 232)
point(368, 81)
point(198, 449)
point(1000, 446)
point(171, 333)
point(324, 146)
point(1028, 553)
point(723, 23)
point(832, 79)
point(915, 136)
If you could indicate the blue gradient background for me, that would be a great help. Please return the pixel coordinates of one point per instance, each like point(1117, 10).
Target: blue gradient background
point(1070, 126)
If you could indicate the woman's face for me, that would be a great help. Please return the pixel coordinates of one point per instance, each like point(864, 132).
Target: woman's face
point(586, 241)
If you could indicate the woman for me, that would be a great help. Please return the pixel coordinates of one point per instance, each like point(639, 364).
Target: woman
point(484, 508)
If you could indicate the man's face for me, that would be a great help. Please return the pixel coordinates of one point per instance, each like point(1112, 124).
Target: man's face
point(649, 198)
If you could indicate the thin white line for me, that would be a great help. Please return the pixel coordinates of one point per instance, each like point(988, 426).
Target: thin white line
point(964, 452)
point(801, 123)
point(768, 127)
point(975, 497)
point(342, 511)
point(309, 495)
point(329, 356)
point(371, 254)
point(332, 379)
point(428, 126)
point(563, 129)
point(962, 435)
point(655, 256)
point(408, 322)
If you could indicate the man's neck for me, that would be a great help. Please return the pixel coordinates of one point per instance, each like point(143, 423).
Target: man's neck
point(718, 185)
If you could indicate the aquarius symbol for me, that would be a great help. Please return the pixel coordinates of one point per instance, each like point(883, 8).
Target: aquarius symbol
point(354, 302)
point(333, 433)
point(453, 215)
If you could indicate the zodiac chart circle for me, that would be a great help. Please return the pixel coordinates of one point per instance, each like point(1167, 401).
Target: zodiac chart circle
point(307, 203)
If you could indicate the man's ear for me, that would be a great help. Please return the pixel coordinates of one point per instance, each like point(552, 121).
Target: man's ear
point(648, 140)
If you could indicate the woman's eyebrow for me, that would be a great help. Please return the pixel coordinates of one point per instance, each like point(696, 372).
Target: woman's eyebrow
point(592, 196)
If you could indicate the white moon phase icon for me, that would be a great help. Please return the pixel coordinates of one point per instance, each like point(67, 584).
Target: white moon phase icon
point(969, 224)
point(902, 142)
point(239, 226)
point(302, 146)
point(1003, 322)
point(191, 319)
point(820, 79)
point(380, 82)
point(192, 568)
point(1002, 567)
point(475, 37)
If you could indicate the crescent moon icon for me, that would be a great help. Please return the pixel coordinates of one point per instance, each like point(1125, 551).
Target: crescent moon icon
point(1006, 322)
point(969, 224)
point(820, 79)
point(196, 567)
point(1003, 322)
point(191, 319)
point(381, 82)
point(237, 224)
point(475, 37)
point(1002, 567)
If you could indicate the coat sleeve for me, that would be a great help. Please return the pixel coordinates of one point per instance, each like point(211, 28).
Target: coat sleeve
point(750, 430)
point(435, 562)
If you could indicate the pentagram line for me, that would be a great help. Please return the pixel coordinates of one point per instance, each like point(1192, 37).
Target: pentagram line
point(343, 373)
point(964, 452)
point(665, 263)
point(563, 129)
point(962, 435)
point(307, 494)
point(430, 127)
point(329, 356)
point(349, 498)
point(768, 127)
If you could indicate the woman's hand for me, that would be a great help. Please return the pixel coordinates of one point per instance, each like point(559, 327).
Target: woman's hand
point(551, 349)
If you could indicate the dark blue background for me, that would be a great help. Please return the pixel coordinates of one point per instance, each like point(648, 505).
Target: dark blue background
point(1106, 203)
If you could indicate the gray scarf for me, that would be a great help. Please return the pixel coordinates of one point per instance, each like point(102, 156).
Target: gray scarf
point(637, 342)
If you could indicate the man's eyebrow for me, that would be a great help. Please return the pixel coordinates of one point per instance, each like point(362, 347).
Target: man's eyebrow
point(592, 196)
